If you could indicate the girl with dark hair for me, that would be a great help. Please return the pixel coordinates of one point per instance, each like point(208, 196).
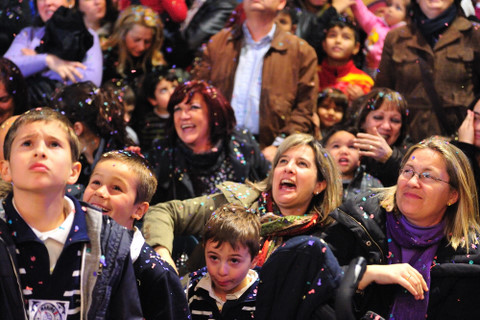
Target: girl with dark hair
point(203, 147)
point(98, 121)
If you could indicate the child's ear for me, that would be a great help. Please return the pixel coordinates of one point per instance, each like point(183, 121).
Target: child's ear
point(152, 101)
point(75, 173)
point(356, 49)
point(5, 171)
point(79, 128)
point(140, 210)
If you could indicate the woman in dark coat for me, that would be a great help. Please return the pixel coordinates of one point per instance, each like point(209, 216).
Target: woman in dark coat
point(203, 148)
point(419, 237)
point(381, 118)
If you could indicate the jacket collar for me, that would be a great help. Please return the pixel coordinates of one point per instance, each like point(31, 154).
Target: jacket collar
point(278, 42)
point(414, 39)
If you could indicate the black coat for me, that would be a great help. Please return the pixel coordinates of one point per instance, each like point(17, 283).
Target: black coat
point(360, 230)
point(172, 170)
point(180, 48)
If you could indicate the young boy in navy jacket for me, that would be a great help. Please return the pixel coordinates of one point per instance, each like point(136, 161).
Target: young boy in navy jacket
point(121, 185)
point(60, 258)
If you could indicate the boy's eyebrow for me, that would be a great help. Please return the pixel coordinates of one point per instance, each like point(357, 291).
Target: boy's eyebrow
point(476, 113)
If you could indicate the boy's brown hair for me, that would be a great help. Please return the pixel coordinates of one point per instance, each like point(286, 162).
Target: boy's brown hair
point(236, 225)
point(47, 115)
point(139, 166)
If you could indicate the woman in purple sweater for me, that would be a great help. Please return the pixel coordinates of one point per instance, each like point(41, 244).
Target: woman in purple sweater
point(30, 52)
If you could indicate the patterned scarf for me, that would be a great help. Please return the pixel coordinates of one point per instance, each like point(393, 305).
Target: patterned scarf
point(417, 246)
point(275, 226)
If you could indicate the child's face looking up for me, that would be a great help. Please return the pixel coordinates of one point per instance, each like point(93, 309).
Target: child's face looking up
point(285, 21)
point(41, 159)
point(395, 12)
point(347, 157)
point(340, 45)
point(162, 94)
point(227, 267)
point(329, 113)
point(113, 189)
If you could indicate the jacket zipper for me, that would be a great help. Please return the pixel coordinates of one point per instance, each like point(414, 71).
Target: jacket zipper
point(16, 277)
point(366, 231)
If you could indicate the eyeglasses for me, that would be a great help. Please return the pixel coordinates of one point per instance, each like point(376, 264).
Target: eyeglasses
point(425, 177)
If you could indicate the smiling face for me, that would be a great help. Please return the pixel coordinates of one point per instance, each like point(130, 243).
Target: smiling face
point(329, 113)
point(40, 159)
point(227, 267)
point(113, 189)
point(395, 12)
point(340, 45)
point(46, 8)
point(191, 123)
point(295, 180)
point(424, 202)
point(347, 157)
point(387, 120)
point(434, 8)
point(138, 40)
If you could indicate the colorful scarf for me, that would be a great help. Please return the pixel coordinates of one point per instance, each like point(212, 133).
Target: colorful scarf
point(275, 226)
point(417, 246)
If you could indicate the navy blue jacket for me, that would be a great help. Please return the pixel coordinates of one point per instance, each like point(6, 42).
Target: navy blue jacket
point(110, 288)
point(161, 292)
point(298, 281)
point(204, 307)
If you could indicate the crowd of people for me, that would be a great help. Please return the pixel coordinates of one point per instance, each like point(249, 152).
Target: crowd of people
point(222, 159)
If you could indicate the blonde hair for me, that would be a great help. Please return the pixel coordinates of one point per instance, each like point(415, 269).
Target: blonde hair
point(327, 171)
point(461, 218)
point(129, 17)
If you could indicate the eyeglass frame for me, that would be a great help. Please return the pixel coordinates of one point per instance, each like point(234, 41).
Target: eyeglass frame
point(421, 176)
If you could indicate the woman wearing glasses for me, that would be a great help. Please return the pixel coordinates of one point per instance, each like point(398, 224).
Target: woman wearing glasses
point(419, 238)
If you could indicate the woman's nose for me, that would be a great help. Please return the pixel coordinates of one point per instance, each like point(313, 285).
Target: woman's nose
point(184, 114)
point(289, 167)
point(386, 125)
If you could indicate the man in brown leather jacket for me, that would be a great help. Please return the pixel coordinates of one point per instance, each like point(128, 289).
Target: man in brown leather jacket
point(274, 91)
